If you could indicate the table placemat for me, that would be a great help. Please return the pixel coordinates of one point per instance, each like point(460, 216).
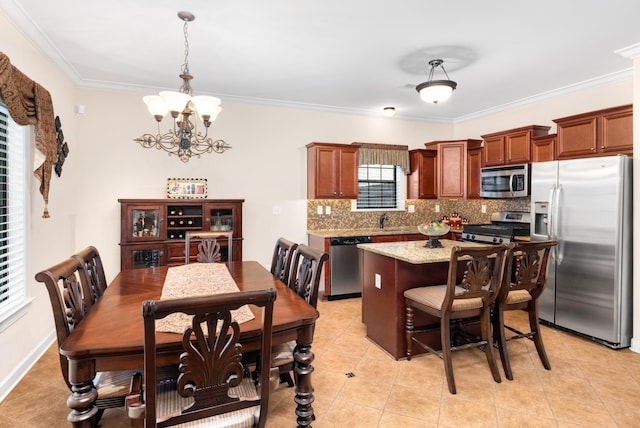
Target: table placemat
point(197, 279)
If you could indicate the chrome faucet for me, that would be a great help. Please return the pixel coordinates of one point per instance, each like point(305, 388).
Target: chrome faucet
point(383, 217)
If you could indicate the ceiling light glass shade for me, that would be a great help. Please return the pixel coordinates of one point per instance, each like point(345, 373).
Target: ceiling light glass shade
point(207, 107)
point(389, 111)
point(436, 91)
point(175, 101)
point(156, 106)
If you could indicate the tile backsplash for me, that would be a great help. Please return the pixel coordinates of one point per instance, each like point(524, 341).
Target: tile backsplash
point(341, 216)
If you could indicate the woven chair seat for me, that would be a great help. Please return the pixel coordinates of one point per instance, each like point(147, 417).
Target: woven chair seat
point(283, 353)
point(518, 296)
point(113, 384)
point(434, 296)
point(170, 402)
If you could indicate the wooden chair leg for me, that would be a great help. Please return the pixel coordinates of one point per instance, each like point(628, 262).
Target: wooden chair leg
point(485, 329)
point(408, 329)
point(445, 340)
point(501, 339)
point(286, 377)
point(534, 324)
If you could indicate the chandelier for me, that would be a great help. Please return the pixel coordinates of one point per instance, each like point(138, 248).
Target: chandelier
point(184, 140)
point(436, 91)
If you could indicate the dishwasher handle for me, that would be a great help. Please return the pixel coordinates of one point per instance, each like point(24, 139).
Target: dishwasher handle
point(350, 240)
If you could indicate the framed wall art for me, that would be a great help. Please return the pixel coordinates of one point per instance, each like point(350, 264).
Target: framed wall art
point(187, 188)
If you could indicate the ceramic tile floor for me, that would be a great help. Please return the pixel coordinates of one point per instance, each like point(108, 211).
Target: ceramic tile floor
point(589, 385)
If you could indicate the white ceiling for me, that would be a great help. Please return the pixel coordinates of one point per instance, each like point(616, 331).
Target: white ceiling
point(340, 55)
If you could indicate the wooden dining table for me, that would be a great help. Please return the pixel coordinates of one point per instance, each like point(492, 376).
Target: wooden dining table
point(110, 337)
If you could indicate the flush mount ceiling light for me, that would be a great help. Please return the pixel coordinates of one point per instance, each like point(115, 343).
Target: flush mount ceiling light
point(184, 140)
point(436, 91)
point(389, 111)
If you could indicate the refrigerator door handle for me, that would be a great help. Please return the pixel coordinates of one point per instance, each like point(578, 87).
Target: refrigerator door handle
point(556, 213)
point(551, 221)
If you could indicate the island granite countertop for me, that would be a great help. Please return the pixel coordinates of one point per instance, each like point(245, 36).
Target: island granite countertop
point(414, 251)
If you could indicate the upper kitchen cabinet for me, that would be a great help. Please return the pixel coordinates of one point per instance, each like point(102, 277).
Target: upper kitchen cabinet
point(543, 148)
point(512, 146)
point(332, 171)
point(597, 133)
point(452, 166)
point(474, 164)
point(421, 182)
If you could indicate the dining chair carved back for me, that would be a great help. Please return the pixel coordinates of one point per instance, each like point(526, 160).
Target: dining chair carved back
point(209, 251)
point(524, 280)
point(281, 260)
point(304, 279)
point(208, 247)
point(473, 282)
point(68, 298)
point(213, 388)
point(93, 274)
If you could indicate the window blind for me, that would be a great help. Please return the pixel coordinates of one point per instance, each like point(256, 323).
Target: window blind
point(377, 187)
point(13, 188)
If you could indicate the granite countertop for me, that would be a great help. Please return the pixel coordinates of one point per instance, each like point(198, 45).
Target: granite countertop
point(340, 233)
point(414, 251)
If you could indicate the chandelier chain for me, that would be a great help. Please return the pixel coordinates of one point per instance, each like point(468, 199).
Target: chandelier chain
point(185, 66)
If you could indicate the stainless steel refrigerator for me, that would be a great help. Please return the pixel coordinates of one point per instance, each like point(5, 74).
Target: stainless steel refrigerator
point(586, 205)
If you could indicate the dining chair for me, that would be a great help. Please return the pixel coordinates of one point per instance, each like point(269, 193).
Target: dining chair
point(93, 274)
point(304, 279)
point(524, 280)
point(282, 257)
point(473, 282)
point(68, 302)
point(208, 247)
point(213, 388)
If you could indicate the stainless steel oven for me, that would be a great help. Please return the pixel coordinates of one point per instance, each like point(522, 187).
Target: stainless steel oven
point(509, 181)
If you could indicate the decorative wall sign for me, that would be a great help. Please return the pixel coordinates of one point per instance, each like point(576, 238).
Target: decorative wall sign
point(187, 188)
point(63, 147)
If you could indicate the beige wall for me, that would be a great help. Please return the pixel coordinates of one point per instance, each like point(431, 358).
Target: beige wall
point(266, 167)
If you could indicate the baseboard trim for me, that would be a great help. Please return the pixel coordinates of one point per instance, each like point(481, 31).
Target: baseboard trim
point(10, 382)
point(635, 345)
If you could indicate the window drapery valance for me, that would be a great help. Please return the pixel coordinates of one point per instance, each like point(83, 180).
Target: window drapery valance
point(384, 154)
point(29, 103)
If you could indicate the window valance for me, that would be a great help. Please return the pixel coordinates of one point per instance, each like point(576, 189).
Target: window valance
point(29, 103)
point(384, 154)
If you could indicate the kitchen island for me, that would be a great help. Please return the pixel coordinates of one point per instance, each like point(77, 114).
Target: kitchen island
point(387, 270)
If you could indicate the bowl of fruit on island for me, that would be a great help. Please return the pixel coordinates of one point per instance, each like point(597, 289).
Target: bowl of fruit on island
point(434, 230)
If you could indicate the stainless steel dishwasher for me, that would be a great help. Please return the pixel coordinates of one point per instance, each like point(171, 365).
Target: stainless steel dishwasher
point(345, 268)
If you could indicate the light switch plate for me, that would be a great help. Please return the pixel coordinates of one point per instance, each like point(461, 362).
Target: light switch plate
point(327, 209)
point(276, 210)
point(319, 209)
point(411, 208)
point(437, 208)
point(483, 208)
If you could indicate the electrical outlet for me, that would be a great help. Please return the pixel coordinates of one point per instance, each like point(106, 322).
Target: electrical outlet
point(319, 209)
point(437, 208)
point(411, 208)
point(327, 209)
point(483, 209)
point(276, 210)
point(378, 280)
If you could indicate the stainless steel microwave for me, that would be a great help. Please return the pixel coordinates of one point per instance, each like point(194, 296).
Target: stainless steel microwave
point(509, 181)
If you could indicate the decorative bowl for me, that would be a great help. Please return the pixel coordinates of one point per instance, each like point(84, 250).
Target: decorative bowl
point(433, 230)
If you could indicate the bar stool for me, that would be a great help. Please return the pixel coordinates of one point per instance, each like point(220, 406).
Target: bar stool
point(193, 234)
